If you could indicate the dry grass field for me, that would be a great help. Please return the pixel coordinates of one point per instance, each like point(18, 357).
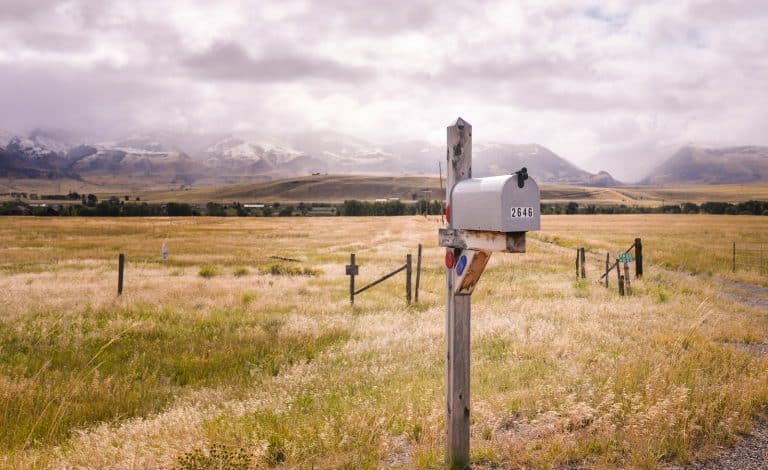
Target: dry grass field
point(226, 357)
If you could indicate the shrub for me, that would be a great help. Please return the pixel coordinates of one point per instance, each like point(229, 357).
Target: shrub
point(241, 271)
point(283, 270)
point(207, 272)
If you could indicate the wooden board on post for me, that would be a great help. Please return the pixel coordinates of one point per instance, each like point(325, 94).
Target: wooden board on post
point(457, 318)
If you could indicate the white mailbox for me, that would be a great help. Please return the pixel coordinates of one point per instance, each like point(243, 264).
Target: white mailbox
point(508, 203)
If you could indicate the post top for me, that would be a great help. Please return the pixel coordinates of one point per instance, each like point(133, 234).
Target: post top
point(460, 123)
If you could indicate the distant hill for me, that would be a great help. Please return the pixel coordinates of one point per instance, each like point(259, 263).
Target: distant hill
point(701, 165)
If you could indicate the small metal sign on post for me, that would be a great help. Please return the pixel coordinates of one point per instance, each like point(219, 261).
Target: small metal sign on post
point(483, 215)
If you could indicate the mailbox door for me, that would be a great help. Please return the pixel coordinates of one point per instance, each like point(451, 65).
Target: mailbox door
point(521, 207)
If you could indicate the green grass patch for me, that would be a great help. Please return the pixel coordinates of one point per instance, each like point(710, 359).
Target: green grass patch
point(60, 375)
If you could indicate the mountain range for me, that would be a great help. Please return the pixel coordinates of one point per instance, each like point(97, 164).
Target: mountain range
point(226, 159)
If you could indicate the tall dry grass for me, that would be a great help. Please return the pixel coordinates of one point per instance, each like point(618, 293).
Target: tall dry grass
point(268, 368)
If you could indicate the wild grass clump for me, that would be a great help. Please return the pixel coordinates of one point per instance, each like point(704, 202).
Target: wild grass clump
point(287, 270)
point(207, 272)
point(241, 271)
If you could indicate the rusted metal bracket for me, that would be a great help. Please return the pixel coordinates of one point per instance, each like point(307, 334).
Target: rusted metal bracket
point(511, 242)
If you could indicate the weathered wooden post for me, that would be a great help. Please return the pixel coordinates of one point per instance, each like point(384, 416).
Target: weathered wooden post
point(734, 257)
point(120, 269)
point(583, 260)
point(638, 258)
point(627, 282)
point(418, 274)
point(607, 267)
point(578, 255)
point(621, 282)
point(408, 272)
point(352, 271)
point(483, 215)
point(618, 276)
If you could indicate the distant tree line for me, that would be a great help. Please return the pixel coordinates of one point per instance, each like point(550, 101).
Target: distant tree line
point(741, 208)
point(90, 206)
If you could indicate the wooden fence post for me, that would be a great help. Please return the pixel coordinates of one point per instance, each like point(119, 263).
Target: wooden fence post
point(627, 282)
point(583, 260)
point(607, 267)
point(120, 269)
point(618, 277)
point(408, 272)
point(734, 256)
point(418, 274)
point(578, 255)
point(638, 258)
point(351, 271)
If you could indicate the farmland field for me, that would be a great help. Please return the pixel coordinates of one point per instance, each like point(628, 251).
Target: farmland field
point(241, 350)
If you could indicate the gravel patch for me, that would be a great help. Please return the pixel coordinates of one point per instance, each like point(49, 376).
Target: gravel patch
point(750, 453)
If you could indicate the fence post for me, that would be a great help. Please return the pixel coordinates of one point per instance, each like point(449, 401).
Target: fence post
point(734, 256)
point(408, 272)
point(583, 259)
point(120, 269)
point(607, 267)
point(418, 274)
point(578, 255)
point(352, 270)
point(618, 277)
point(627, 282)
point(638, 258)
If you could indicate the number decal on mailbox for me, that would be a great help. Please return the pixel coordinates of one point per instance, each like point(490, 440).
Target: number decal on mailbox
point(522, 212)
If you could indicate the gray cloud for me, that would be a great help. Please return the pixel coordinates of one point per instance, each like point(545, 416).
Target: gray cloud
point(584, 81)
point(230, 61)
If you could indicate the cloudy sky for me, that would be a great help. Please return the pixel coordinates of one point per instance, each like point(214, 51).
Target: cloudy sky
point(597, 82)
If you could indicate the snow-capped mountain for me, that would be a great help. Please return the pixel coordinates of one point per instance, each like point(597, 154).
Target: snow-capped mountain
point(227, 159)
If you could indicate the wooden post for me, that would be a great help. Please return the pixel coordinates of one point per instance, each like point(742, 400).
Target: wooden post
point(351, 271)
point(734, 257)
point(578, 255)
point(638, 258)
point(418, 274)
point(120, 269)
point(607, 267)
point(583, 259)
point(457, 318)
point(627, 282)
point(618, 277)
point(621, 282)
point(408, 272)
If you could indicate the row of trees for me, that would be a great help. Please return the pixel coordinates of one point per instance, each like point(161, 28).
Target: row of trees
point(115, 207)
